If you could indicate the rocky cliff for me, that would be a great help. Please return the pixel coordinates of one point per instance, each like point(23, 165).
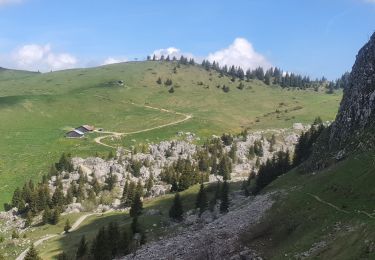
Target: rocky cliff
point(354, 127)
point(357, 109)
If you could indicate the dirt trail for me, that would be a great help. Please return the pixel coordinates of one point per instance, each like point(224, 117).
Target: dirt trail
point(338, 209)
point(99, 139)
point(74, 227)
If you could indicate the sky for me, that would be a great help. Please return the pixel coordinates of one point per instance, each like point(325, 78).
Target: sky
point(310, 37)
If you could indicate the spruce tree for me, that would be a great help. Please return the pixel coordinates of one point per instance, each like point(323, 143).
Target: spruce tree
point(55, 217)
point(125, 243)
point(67, 226)
point(135, 227)
point(82, 248)
point(100, 247)
point(32, 254)
point(46, 215)
point(29, 219)
point(115, 236)
point(176, 211)
point(201, 201)
point(137, 206)
point(224, 205)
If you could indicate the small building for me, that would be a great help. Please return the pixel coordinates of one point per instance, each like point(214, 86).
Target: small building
point(85, 128)
point(74, 134)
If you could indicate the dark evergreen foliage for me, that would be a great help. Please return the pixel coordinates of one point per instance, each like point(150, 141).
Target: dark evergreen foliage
point(176, 211)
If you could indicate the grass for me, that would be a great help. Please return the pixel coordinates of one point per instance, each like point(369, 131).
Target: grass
point(156, 226)
point(297, 221)
point(36, 110)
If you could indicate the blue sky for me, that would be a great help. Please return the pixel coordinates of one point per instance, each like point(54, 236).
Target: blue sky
point(313, 37)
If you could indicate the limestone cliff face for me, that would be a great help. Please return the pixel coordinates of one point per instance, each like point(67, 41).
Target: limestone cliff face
point(354, 127)
point(357, 108)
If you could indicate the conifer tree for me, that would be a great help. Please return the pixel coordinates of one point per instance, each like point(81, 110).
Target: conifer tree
point(95, 185)
point(135, 227)
point(150, 183)
point(224, 205)
point(115, 236)
point(82, 248)
point(46, 215)
point(137, 206)
point(201, 201)
point(55, 217)
point(125, 243)
point(29, 219)
point(67, 226)
point(176, 211)
point(32, 254)
point(216, 196)
point(131, 194)
point(100, 246)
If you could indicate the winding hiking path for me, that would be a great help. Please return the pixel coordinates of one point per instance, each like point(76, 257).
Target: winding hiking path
point(338, 209)
point(74, 227)
point(99, 139)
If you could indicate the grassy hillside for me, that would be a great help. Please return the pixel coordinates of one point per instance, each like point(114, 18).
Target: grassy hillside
point(329, 214)
point(36, 110)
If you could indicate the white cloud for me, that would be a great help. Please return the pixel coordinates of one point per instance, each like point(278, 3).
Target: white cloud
point(240, 53)
point(41, 57)
point(171, 52)
point(111, 60)
point(8, 2)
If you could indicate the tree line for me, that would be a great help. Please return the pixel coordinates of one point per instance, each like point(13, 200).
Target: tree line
point(273, 75)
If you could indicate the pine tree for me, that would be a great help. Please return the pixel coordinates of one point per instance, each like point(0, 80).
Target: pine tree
point(130, 195)
point(58, 197)
point(125, 243)
point(224, 205)
point(95, 185)
point(82, 248)
point(115, 236)
point(137, 206)
point(100, 246)
point(67, 226)
point(135, 227)
point(216, 196)
point(46, 215)
point(55, 217)
point(32, 254)
point(17, 198)
point(201, 201)
point(176, 211)
point(29, 219)
point(150, 183)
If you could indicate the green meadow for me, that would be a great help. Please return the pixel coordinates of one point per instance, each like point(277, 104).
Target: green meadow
point(333, 207)
point(37, 109)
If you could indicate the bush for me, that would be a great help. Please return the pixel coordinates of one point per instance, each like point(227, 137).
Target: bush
point(15, 234)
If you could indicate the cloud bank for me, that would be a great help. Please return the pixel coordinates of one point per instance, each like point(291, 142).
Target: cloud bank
point(171, 52)
point(42, 57)
point(111, 60)
point(240, 53)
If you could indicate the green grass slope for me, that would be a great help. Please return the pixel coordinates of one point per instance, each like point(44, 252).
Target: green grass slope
point(36, 110)
point(331, 213)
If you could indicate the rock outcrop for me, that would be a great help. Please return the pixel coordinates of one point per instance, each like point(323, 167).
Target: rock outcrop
point(357, 108)
point(355, 122)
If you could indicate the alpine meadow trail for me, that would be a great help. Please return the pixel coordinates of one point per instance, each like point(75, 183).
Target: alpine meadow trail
point(99, 139)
